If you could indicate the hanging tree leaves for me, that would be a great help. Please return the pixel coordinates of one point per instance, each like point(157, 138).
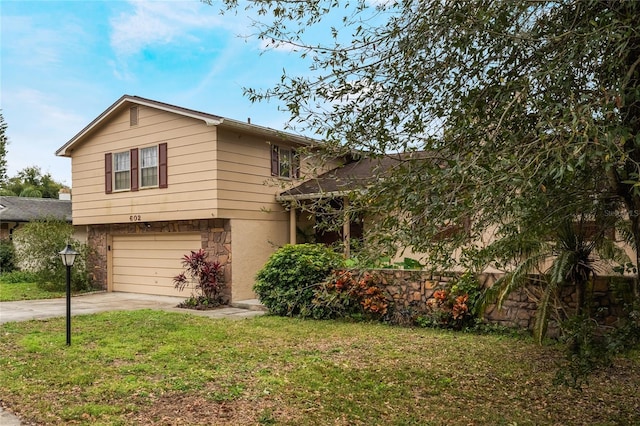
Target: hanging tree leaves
point(525, 114)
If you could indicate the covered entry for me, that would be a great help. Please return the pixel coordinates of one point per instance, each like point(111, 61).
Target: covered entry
point(147, 263)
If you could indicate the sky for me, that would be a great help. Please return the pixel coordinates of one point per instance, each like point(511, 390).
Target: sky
point(63, 63)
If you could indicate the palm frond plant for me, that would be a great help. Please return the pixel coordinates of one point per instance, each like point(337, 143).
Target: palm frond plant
point(576, 253)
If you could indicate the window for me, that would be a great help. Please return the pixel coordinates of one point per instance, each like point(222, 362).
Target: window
point(121, 171)
point(136, 168)
point(285, 162)
point(149, 166)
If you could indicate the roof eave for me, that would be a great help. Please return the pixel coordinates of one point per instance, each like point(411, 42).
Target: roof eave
point(317, 195)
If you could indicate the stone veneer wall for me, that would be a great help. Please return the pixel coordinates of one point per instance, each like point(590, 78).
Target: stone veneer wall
point(410, 290)
point(215, 235)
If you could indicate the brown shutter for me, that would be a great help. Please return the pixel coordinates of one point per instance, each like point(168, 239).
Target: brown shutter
point(295, 166)
point(133, 157)
point(275, 161)
point(108, 173)
point(162, 166)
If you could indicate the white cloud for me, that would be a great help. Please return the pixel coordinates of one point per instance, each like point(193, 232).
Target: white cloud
point(38, 124)
point(33, 46)
point(159, 23)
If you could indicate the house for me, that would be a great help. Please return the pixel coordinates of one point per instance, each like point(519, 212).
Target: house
point(153, 181)
point(16, 211)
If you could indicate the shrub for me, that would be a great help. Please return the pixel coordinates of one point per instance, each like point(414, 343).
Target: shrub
point(348, 295)
point(37, 246)
point(7, 256)
point(453, 306)
point(206, 279)
point(15, 277)
point(285, 285)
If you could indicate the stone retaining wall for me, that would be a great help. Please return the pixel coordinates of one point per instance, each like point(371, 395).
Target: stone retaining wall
point(411, 290)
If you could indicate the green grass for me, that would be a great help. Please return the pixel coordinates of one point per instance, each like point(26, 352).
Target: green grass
point(149, 367)
point(25, 291)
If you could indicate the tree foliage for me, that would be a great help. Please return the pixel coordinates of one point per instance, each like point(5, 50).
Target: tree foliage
point(37, 246)
point(31, 182)
point(525, 114)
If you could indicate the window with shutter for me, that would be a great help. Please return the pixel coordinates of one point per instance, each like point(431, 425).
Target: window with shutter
point(122, 171)
point(285, 162)
point(136, 168)
point(149, 166)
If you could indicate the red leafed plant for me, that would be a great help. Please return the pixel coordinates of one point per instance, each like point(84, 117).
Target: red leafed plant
point(445, 309)
point(364, 291)
point(206, 278)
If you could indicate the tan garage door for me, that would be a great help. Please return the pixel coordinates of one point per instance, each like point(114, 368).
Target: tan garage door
point(147, 263)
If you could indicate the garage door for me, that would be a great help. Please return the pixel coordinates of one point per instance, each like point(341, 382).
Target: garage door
point(147, 263)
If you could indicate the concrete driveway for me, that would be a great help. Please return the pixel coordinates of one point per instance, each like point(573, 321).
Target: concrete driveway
point(100, 302)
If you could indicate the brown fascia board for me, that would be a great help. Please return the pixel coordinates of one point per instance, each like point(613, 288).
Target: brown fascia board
point(209, 120)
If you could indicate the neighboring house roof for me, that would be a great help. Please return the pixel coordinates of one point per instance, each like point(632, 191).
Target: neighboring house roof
point(27, 209)
point(208, 119)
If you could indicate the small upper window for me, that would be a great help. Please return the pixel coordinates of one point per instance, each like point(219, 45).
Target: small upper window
point(285, 162)
point(133, 116)
point(122, 171)
point(149, 166)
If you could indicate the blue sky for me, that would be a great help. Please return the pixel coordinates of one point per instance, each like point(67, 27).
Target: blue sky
point(65, 62)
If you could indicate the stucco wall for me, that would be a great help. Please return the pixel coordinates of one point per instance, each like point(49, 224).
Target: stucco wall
point(253, 242)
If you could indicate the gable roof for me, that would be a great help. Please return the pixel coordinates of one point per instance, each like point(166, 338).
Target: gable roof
point(127, 101)
point(27, 209)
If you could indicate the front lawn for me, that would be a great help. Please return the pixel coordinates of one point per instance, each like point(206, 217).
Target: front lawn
point(25, 291)
point(149, 367)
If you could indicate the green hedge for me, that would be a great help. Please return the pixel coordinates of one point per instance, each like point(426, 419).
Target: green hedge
point(286, 282)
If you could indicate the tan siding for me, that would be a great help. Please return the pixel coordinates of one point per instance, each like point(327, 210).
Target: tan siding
point(244, 176)
point(191, 173)
point(211, 171)
point(147, 263)
point(266, 215)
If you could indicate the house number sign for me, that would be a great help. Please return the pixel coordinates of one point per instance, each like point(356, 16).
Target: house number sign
point(135, 218)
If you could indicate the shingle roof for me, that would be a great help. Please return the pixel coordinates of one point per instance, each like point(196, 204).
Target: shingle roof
point(26, 209)
point(353, 176)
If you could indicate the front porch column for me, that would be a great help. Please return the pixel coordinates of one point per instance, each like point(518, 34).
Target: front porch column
point(292, 224)
point(346, 229)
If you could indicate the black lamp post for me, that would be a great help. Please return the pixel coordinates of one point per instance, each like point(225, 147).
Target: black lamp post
point(68, 256)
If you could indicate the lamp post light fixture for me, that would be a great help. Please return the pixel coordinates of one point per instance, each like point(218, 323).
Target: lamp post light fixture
point(68, 256)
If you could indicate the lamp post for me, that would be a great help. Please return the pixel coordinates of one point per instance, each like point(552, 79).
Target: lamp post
point(68, 256)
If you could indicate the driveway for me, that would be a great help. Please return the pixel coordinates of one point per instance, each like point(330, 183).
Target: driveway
point(100, 302)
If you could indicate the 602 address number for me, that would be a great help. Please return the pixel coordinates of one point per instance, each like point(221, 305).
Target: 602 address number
point(135, 218)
